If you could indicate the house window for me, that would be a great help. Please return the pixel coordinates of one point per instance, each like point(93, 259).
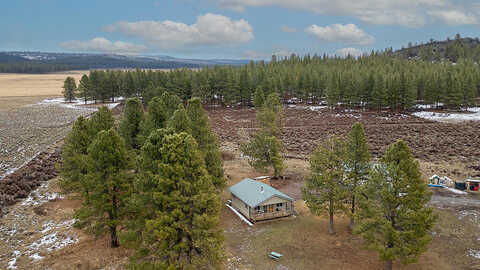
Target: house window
point(287, 206)
point(258, 209)
point(246, 206)
point(265, 209)
point(279, 207)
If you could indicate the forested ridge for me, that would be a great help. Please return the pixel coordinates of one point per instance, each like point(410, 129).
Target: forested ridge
point(375, 81)
point(39, 62)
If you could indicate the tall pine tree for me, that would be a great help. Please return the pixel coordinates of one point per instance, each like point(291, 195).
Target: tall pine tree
point(325, 188)
point(109, 186)
point(393, 216)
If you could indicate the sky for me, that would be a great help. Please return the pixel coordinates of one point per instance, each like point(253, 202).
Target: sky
point(234, 29)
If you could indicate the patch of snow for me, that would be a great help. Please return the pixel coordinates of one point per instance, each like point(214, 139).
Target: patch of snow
point(53, 242)
point(347, 115)
point(474, 115)
point(37, 198)
point(428, 106)
point(474, 253)
point(12, 263)
point(317, 108)
point(76, 104)
point(35, 257)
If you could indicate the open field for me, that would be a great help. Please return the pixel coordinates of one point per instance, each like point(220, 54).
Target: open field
point(28, 85)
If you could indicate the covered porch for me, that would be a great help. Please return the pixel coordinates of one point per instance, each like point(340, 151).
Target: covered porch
point(271, 211)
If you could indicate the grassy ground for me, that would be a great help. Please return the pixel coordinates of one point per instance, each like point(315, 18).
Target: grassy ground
point(305, 242)
point(28, 85)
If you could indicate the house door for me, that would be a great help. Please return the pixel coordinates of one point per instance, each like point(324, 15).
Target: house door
point(270, 208)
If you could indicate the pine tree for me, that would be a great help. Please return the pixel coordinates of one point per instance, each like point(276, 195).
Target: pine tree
point(69, 89)
point(182, 230)
point(207, 141)
point(73, 168)
point(358, 159)
point(180, 122)
point(393, 216)
point(325, 188)
point(107, 166)
point(130, 123)
point(160, 110)
point(265, 149)
point(101, 120)
point(259, 98)
point(378, 93)
point(83, 88)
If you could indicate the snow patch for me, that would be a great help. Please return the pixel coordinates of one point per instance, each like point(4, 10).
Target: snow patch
point(37, 198)
point(53, 242)
point(12, 263)
point(474, 253)
point(76, 104)
point(472, 115)
point(35, 257)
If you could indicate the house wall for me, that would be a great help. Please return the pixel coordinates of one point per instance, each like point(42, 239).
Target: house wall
point(275, 214)
point(240, 206)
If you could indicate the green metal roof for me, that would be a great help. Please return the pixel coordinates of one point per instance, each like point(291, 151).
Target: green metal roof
point(254, 192)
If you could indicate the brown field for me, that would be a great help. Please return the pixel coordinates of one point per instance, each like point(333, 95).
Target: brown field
point(28, 85)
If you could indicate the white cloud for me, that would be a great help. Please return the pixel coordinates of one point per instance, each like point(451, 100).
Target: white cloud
point(348, 51)
point(209, 29)
point(348, 34)
point(101, 44)
point(288, 29)
point(454, 17)
point(411, 13)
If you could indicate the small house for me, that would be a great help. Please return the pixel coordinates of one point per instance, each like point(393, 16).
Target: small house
point(258, 201)
point(473, 185)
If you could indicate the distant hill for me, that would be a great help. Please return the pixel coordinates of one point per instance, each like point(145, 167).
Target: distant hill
point(41, 62)
point(450, 49)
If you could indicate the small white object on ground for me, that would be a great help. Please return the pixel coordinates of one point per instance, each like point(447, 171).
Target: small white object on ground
point(240, 215)
point(456, 191)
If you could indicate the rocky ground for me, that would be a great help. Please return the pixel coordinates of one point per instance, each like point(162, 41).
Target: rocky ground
point(304, 127)
point(36, 226)
point(35, 173)
point(29, 130)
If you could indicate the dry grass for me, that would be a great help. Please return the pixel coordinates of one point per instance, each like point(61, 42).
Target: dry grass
point(29, 85)
point(305, 242)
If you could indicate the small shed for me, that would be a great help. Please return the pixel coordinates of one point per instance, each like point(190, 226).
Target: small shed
point(473, 185)
point(258, 201)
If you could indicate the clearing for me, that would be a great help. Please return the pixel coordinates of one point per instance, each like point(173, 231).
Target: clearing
point(36, 233)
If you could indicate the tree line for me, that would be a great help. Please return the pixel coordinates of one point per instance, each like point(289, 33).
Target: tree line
point(375, 81)
point(151, 183)
point(34, 68)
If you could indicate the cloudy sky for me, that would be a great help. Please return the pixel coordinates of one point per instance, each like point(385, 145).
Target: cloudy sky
point(236, 29)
